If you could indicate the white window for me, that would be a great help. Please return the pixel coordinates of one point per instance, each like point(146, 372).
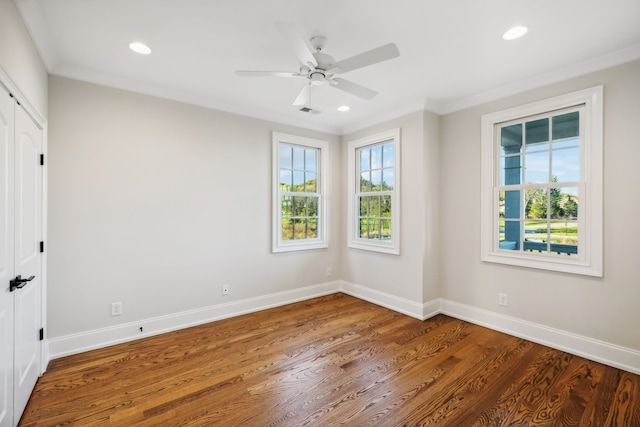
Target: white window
point(374, 193)
point(299, 193)
point(542, 184)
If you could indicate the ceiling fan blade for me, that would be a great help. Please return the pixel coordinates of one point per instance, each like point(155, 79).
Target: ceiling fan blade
point(298, 43)
point(353, 88)
point(303, 96)
point(267, 73)
point(364, 59)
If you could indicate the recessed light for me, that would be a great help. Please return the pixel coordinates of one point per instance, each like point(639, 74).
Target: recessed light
point(344, 108)
point(515, 32)
point(140, 48)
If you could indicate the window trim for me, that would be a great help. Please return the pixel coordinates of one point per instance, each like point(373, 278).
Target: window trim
point(322, 241)
point(354, 241)
point(591, 262)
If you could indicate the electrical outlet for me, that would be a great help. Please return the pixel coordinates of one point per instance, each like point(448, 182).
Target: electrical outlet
point(116, 308)
point(225, 290)
point(329, 271)
point(503, 299)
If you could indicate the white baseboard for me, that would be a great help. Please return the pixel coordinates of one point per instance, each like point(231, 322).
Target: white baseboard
point(589, 348)
point(401, 305)
point(599, 351)
point(99, 338)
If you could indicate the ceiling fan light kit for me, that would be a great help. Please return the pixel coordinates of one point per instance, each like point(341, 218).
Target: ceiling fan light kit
point(317, 78)
point(319, 67)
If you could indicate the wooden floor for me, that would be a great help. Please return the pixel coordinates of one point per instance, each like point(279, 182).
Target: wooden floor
point(330, 361)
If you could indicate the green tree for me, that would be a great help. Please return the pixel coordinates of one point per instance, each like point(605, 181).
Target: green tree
point(556, 202)
point(570, 205)
point(536, 203)
point(561, 205)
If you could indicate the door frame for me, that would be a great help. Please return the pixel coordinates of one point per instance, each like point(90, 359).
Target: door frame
point(41, 122)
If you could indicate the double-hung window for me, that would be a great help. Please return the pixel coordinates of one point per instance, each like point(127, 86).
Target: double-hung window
point(374, 193)
point(542, 184)
point(299, 193)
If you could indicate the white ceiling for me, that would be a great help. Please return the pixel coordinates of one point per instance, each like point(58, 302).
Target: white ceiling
point(452, 54)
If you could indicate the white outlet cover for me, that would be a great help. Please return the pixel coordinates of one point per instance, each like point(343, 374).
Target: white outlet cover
point(503, 299)
point(116, 308)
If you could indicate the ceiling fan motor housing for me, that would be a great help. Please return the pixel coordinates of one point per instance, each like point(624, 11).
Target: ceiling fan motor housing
point(325, 62)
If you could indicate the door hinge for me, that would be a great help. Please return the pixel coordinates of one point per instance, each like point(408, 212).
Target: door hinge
point(41, 247)
point(41, 334)
point(41, 159)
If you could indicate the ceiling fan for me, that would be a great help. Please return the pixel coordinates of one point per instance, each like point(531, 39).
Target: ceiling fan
point(320, 68)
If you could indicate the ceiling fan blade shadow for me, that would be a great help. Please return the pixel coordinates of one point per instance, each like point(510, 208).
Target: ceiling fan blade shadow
point(300, 46)
point(267, 73)
point(303, 96)
point(373, 56)
point(353, 88)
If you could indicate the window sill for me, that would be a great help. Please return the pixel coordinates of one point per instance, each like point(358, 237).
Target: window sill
point(294, 247)
point(375, 247)
point(545, 262)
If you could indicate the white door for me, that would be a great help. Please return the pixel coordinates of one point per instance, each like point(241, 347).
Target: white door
point(20, 257)
point(6, 258)
point(28, 259)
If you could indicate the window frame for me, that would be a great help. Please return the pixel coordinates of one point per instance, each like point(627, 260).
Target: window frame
point(590, 219)
point(392, 246)
point(278, 244)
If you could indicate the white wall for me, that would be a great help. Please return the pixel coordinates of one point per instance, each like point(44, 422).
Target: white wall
point(402, 275)
point(156, 204)
point(431, 266)
point(600, 308)
point(19, 59)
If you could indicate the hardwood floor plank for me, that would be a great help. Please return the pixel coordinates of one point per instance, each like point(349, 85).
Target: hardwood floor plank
point(334, 360)
point(567, 397)
point(518, 405)
point(449, 395)
point(625, 409)
point(406, 364)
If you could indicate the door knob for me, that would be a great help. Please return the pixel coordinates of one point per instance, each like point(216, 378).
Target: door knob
point(19, 282)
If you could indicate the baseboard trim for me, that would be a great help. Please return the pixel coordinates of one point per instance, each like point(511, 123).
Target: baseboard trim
point(589, 348)
point(392, 302)
point(99, 338)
